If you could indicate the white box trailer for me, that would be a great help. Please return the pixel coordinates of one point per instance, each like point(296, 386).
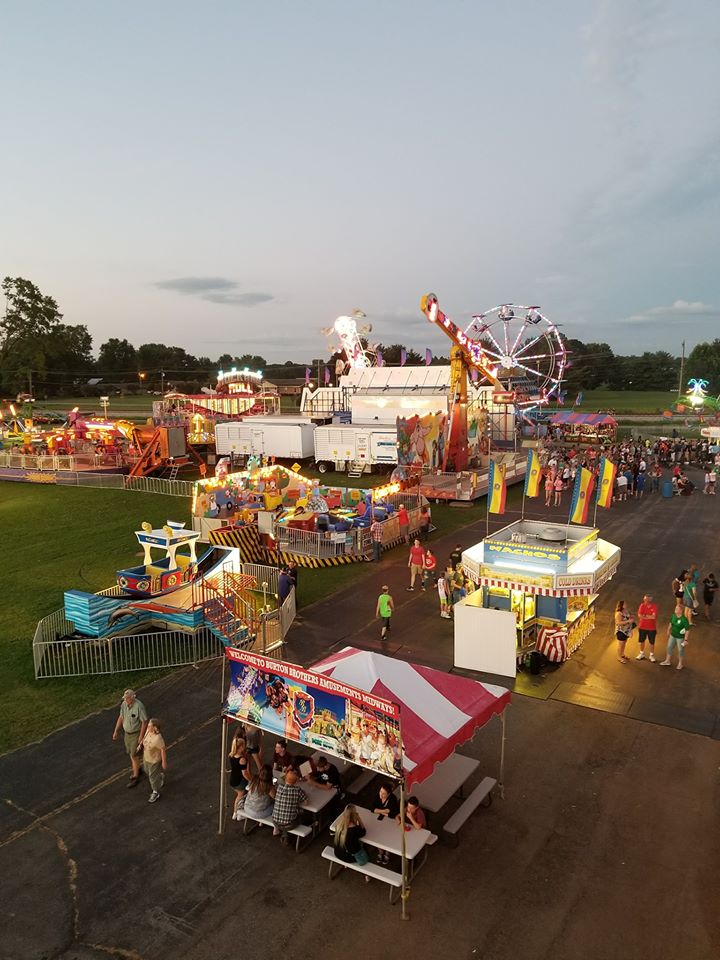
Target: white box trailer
point(286, 438)
point(355, 447)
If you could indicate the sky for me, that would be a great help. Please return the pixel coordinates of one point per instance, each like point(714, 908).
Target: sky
point(229, 177)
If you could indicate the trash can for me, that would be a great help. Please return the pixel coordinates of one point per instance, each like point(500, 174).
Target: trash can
point(667, 490)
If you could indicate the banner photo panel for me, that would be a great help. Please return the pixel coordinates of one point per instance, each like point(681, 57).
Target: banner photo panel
point(321, 713)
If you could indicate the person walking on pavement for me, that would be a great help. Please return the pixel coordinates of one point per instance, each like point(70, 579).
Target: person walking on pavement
point(415, 563)
point(376, 535)
point(425, 522)
point(443, 590)
point(133, 720)
point(647, 627)
point(456, 556)
point(710, 586)
point(154, 757)
point(429, 564)
point(384, 610)
point(676, 637)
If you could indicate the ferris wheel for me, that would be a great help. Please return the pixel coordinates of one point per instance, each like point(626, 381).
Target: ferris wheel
point(525, 348)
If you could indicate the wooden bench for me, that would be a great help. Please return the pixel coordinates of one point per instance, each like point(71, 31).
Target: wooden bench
point(482, 794)
point(372, 870)
point(300, 832)
point(359, 783)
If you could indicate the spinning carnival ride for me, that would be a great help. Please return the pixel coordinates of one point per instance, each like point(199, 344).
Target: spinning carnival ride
point(515, 348)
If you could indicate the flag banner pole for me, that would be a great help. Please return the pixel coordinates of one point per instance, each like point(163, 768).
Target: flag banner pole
point(223, 754)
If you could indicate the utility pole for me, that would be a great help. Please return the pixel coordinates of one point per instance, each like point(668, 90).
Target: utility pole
point(682, 368)
point(30, 390)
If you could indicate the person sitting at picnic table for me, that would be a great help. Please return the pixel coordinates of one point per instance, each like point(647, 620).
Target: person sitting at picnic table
point(349, 832)
point(414, 815)
point(289, 798)
point(326, 775)
point(386, 805)
point(282, 758)
point(260, 795)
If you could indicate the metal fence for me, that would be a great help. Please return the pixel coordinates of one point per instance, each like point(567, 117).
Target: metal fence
point(58, 652)
point(170, 488)
point(312, 543)
point(79, 461)
point(65, 656)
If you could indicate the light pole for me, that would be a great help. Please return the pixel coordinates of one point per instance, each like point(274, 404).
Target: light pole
point(141, 378)
point(162, 383)
point(105, 401)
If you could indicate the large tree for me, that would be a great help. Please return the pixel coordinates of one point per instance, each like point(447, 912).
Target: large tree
point(117, 359)
point(704, 364)
point(29, 318)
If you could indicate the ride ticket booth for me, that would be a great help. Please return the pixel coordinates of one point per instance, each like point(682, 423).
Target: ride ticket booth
point(547, 578)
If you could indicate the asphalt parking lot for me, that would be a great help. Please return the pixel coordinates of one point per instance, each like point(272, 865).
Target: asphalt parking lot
point(604, 846)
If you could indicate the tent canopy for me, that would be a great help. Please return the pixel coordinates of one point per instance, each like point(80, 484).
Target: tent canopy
point(587, 419)
point(438, 710)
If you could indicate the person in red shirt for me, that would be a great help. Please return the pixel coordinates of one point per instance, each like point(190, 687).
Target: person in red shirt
point(429, 564)
point(416, 561)
point(647, 627)
point(404, 521)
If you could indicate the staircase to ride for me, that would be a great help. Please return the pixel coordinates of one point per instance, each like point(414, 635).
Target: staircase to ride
point(235, 615)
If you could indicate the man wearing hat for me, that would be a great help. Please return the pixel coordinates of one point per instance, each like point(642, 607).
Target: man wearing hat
point(133, 720)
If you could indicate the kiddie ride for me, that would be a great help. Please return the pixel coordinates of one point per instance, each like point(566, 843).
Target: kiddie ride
point(237, 394)
point(177, 592)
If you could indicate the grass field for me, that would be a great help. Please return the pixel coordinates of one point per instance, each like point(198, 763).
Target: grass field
point(59, 538)
point(625, 401)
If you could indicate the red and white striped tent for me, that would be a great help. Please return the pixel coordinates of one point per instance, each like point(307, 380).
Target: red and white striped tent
point(438, 711)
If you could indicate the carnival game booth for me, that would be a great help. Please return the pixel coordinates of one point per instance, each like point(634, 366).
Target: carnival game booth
point(583, 427)
point(396, 719)
point(547, 577)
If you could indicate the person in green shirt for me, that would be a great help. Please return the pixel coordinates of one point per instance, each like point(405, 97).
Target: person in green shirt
point(384, 611)
point(676, 636)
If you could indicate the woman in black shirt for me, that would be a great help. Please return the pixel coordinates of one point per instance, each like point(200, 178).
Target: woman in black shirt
point(348, 834)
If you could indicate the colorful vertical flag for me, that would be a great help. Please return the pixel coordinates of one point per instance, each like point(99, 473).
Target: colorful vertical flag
point(606, 482)
point(496, 488)
point(579, 398)
point(428, 357)
point(327, 375)
point(403, 356)
point(307, 375)
point(584, 485)
point(379, 358)
point(533, 475)
point(560, 399)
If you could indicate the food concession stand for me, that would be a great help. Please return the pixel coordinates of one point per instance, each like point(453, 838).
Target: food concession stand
point(548, 576)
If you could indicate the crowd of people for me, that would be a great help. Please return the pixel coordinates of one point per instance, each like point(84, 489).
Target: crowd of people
point(641, 465)
point(686, 588)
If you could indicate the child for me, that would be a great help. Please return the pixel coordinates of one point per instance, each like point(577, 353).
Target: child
point(443, 596)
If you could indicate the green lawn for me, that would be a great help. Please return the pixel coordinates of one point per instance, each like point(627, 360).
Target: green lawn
point(58, 538)
point(624, 401)
point(120, 408)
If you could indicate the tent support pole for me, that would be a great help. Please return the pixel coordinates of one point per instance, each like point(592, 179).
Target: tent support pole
point(405, 891)
point(502, 756)
point(223, 754)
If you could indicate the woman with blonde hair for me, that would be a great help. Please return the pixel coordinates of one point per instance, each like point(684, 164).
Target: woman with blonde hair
point(239, 775)
point(260, 796)
point(349, 832)
point(154, 756)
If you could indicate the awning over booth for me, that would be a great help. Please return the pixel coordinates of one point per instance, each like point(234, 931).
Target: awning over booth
point(584, 419)
point(438, 711)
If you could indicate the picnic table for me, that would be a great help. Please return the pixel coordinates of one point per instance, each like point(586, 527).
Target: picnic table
point(385, 834)
point(446, 779)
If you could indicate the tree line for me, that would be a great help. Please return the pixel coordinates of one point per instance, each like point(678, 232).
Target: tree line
point(42, 355)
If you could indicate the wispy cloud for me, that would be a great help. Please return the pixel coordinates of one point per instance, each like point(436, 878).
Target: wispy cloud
point(679, 310)
point(214, 290)
point(619, 38)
